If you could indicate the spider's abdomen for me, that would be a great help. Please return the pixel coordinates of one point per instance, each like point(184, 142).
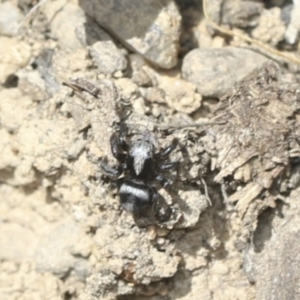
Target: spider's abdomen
point(135, 195)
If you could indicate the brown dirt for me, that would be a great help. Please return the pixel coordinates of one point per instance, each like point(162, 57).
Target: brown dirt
point(63, 234)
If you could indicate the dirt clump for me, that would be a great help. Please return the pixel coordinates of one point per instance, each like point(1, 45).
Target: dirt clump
point(68, 79)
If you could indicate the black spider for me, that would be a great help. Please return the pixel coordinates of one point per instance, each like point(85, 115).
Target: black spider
point(142, 168)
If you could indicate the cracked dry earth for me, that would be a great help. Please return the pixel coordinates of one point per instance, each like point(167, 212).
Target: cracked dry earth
point(235, 222)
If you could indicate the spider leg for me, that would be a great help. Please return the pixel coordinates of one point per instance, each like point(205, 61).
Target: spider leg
point(166, 151)
point(168, 166)
point(109, 171)
point(118, 144)
point(164, 182)
point(122, 137)
point(164, 167)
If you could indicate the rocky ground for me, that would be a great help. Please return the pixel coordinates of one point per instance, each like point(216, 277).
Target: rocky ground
point(161, 66)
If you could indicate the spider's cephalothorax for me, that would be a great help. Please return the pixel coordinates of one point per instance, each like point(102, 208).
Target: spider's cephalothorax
point(141, 168)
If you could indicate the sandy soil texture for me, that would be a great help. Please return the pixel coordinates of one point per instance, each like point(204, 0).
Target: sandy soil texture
point(71, 72)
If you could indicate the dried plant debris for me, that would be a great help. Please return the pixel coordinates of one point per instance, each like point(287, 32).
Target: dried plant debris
point(257, 144)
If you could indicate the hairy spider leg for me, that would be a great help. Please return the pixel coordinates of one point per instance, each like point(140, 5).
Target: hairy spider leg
point(122, 137)
point(167, 151)
point(161, 167)
point(164, 167)
point(168, 166)
point(163, 181)
point(119, 146)
point(109, 171)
